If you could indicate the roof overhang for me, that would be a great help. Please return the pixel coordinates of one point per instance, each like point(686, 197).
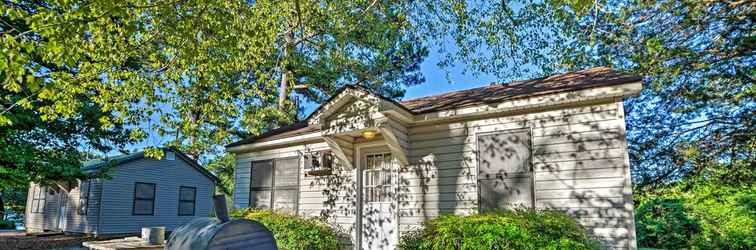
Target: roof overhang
point(395, 112)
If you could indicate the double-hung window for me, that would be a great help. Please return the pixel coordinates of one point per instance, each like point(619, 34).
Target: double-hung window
point(84, 190)
point(505, 177)
point(144, 199)
point(274, 184)
point(38, 199)
point(187, 200)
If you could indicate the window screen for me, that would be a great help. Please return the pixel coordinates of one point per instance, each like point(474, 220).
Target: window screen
point(84, 188)
point(286, 178)
point(261, 185)
point(505, 179)
point(187, 200)
point(38, 200)
point(274, 184)
point(144, 199)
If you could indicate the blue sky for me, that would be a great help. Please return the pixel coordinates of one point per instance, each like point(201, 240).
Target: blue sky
point(435, 83)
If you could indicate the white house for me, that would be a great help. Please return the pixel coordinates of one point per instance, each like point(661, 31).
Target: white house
point(140, 192)
point(376, 168)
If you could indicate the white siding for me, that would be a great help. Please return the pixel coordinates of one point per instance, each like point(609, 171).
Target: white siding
point(331, 198)
point(168, 176)
point(579, 158)
point(83, 223)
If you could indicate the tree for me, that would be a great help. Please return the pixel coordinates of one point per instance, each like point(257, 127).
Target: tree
point(203, 72)
point(697, 107)
point(223, 167)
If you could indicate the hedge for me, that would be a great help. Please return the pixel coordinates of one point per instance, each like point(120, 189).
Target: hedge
point(521, 229)
point(704, 215)
point(293, 232)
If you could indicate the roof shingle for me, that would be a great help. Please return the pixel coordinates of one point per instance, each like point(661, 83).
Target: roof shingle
point(570, 81)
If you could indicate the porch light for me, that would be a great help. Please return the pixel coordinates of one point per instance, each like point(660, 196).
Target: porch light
point(368, 135)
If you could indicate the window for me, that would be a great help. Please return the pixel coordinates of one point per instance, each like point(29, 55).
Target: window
point(318, 160)
point(84, 188)
point(505, 179)
point(187, 199)
point(274, 184)
point(38, 199)
point(377, 179)
point(144, 199)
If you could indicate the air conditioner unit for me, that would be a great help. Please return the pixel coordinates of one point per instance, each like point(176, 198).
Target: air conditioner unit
point(318, 163)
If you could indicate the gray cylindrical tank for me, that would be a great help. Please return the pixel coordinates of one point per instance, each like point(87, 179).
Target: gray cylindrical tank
point(221, 233)
point(210, 233)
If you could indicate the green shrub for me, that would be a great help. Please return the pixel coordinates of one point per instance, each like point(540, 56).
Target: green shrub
point(6, 224)
point(664, 223)
point(700, 215)
point(523, 229)
point(292, 232)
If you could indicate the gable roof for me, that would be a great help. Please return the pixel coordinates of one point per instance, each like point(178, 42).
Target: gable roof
point(570, 81)
point(494, 93)
point(97, 165)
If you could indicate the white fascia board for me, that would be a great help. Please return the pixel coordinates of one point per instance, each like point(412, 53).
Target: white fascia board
point(535, 102)
point(309, 137)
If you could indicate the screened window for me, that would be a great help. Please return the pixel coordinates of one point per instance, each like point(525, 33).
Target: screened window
point(38, 199)
point(84, 190)
point(187, 200)
point(274, 184)
point(144, 199)
point(505, 179)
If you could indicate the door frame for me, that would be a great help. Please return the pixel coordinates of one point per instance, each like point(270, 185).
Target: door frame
point(358, 178)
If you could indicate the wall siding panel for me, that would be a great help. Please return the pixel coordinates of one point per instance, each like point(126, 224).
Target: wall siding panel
point(168, 176)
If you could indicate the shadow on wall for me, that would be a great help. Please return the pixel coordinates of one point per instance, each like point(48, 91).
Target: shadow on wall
point(570, 159)
point(578, 166)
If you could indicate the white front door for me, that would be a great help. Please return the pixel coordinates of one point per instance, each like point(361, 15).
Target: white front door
point(379, 221)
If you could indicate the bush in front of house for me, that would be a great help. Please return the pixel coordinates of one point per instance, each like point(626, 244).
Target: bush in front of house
point(293, 232)
point(520, 229)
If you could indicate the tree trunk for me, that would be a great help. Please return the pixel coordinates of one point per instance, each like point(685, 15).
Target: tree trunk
point(285, 69)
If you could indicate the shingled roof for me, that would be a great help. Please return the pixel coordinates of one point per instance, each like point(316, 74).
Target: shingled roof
point(494, 93)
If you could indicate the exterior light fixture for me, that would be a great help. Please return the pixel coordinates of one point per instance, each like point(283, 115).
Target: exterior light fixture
point(368, 135)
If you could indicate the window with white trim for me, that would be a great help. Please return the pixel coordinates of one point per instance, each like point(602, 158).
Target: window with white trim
point(274, 184)
point(505, 177)
point(38, 199)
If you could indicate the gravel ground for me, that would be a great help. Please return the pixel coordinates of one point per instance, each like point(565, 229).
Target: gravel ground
point(22, 241)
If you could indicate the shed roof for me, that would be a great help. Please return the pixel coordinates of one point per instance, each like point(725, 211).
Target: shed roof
point(494, 93)
point(99, 164)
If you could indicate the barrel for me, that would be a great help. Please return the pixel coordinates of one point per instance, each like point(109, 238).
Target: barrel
point(210, 233)
point(221, 233)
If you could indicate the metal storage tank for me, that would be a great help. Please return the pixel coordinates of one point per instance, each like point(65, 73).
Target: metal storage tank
point(221, 233)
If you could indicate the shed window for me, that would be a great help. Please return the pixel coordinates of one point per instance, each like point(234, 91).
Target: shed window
point(38, 199)
point(274, 184)
point(84, 188)
point(144, 199)
point(187, 200)
point(505, 179)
